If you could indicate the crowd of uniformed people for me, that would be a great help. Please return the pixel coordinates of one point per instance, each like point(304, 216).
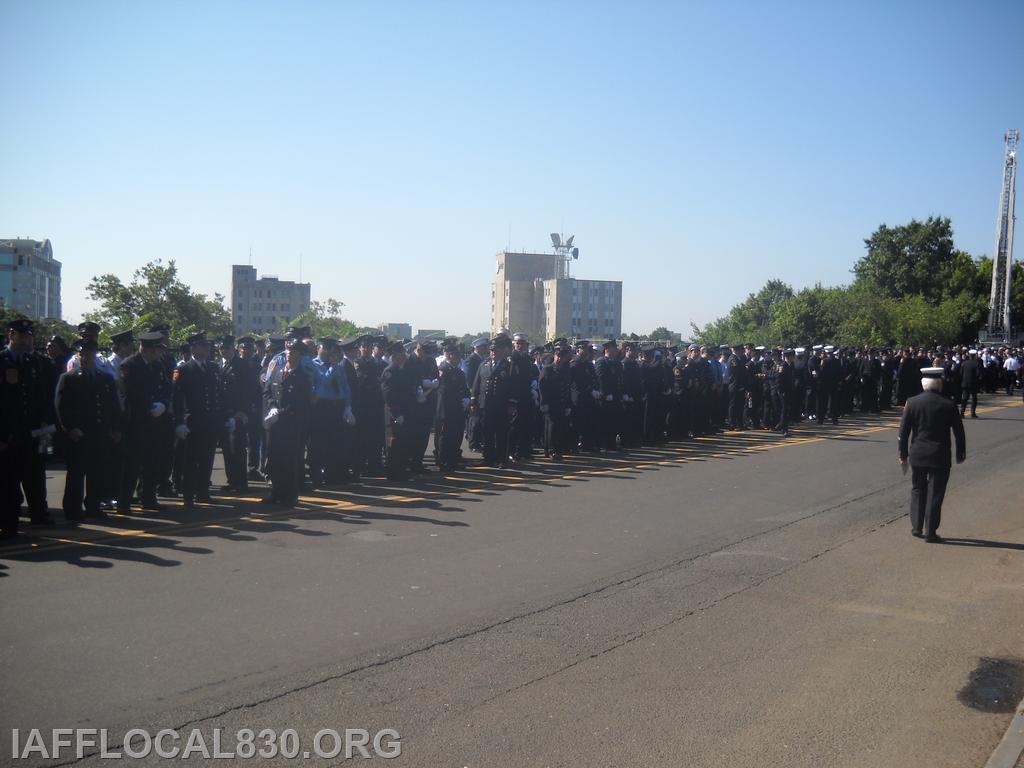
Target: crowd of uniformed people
point(143, 421)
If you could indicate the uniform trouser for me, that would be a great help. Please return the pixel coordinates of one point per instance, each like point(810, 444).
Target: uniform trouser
point(232, 447)
point(474, 432)
point(810, 402)
point(557, 433)
point(400, 452)
point(611, 423)
point(423, 420)
point(448, 440)
point(114, 463)
point(285, 443)
point(632, 423)
point(167, 448)
point(827, 405)
point(1011, 382)
point(769, 415)
point(756, 408)
point(325, 440)
point(698, 410)
point(141, 459)
point(199, 449)
point(781, 411)
point(972, 395)
point(87, 468)
point(928, 488)
point(653, 419)
point(886, 397)
point(254, 437)
point(522, 426)
point(737, 404)
point(369, 439)
point(24, 470)
point(868, 396)
point(495, 436)
point(179, 462)
point(584, 421)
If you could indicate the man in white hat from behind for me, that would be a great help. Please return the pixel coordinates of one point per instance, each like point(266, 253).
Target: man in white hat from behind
point(928, 419)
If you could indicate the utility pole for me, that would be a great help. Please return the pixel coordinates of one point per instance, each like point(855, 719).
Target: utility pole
point(1000, 324)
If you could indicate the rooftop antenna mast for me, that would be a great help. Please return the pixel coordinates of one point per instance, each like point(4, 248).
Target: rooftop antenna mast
point(565, 254)
point(999, 320)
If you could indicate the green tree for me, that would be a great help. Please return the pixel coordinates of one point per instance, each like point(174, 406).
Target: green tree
point(915, 259)
point(324, 319)
point(661, 333)
point(155, 294)
point(45, 328)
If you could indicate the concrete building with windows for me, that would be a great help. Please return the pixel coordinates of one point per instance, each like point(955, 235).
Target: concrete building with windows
point(264, 304)
point(396, 330)
point(532, 294)
point(30, 278)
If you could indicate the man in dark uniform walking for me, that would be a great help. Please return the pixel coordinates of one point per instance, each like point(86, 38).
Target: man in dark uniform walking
point(26, 417)
point(368, 408)
point(927, 421)
point(556, 403)
point(971, 373)
point(480, 354)
point(288, 401)
point(493, 395)
point(199, 417)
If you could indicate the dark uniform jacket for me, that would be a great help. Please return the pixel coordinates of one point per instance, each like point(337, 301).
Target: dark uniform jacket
point(970, 374)
point(365, 385)
point(198, 397)
point(829, 373)
point(293, 398)
point(473, 363)
point(87, 400)
point(556, 389)
point(399, 390)
point(451, 391)
point(928, 419)
point(609, 378)
point(495, 387)
point(632, 379)
point(584, 381)
point(242, 391)
point(26, 395)
point(145, 384)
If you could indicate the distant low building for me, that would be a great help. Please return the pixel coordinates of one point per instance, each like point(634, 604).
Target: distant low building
point(396, 330)
point(423, 334)
point(264, 304)
point(30, 278)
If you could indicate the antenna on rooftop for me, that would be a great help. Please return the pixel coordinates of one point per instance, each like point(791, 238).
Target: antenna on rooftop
point(565, 253)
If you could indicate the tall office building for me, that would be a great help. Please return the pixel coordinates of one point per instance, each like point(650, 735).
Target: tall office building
point(533, 293)
point(30, 278)
point(263, 305)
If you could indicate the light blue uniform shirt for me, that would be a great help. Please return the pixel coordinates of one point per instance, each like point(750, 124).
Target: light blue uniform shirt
point(330, 381)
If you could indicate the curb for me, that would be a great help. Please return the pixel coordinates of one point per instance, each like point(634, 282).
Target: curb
point(1011, 748)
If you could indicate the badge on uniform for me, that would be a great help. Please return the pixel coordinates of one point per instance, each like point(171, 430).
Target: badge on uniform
point(12, 376)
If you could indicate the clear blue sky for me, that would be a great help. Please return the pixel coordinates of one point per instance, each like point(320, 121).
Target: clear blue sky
point(695, 149)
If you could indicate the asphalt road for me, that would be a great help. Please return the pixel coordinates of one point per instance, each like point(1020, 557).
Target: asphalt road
point(737, 601)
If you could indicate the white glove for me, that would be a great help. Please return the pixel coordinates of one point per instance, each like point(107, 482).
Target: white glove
point(608, 398)
point(271, 418)
point(625, 398)
point(181, 431)
point(465, 403)
point(399, 420)
point(420, 396)
point(536, 396)
point(595, 394)
point(229, 425)
point(544, 409)
point(158, 410)
point(349, 417)
point(568, 411)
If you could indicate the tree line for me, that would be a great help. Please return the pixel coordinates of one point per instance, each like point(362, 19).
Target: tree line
point(912, 286)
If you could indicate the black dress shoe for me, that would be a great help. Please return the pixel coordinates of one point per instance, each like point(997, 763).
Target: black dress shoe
point(41, 520)
point(153, 506)
point(933, 538)
point(916, 533)
point(187, 503)
point(204, 498)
